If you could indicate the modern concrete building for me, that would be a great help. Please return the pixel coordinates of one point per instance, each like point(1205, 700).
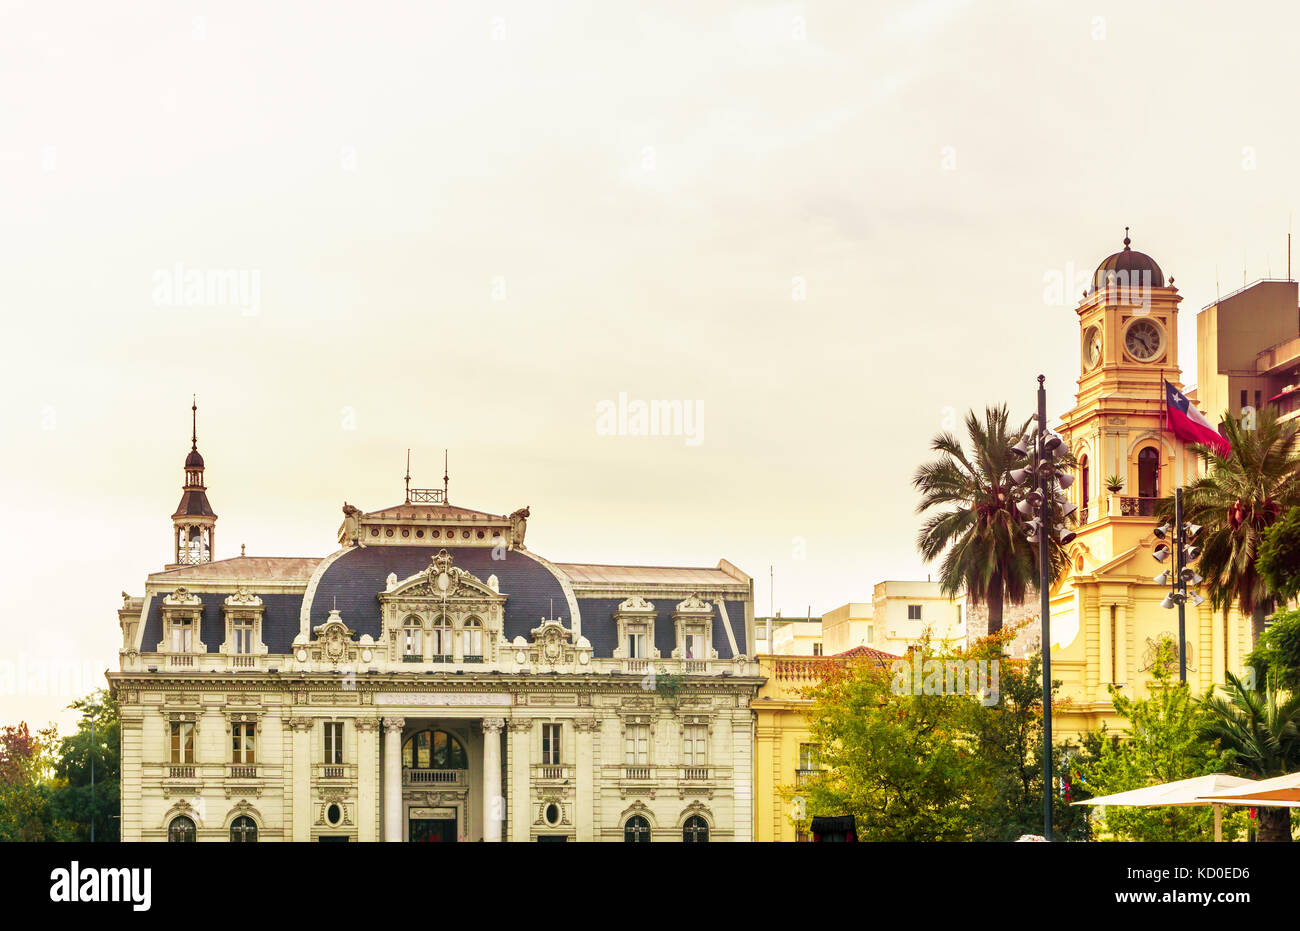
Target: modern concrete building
point(1248, 351)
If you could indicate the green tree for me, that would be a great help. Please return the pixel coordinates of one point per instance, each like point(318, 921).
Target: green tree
point(27, 785)
point(1276, 657)
point(98, 738)
point(1258, 734)
point(1279, 556)
point(913, 759)
point(976, 527)
point(1239, 498)
point(1162, 742)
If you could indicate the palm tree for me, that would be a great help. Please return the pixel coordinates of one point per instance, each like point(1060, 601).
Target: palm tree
point(979, 532)
point(1259, 734)
point(1240, 496)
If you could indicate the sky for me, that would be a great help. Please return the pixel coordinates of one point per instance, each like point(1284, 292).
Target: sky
point(825, 229)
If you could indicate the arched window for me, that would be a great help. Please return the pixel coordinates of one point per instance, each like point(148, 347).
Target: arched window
point(413, 637)
point(181, 831)
point(434, 749)
point(695, 831)
point(472, 641)
point(243, 830)
point(441, 641)
point(636, 830)
point(1149, 473)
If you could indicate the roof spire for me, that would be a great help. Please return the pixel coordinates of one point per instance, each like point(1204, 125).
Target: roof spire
point(194, 413)
point(1126, 239)
point(408, 475)
point(444, 477)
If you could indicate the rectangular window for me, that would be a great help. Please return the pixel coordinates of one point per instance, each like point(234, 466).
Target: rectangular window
point(241, 736)
point(182, 742)
point(183, 635)
point(695, 742)
point(551, 744)
point(1243, 397)
point(1258, 399)
point(413, 646)
point(817, 649)
point(913, 612)
point(243, 634)
point(959, 618)
point(638, 745)
point(333, 742)
point(809, 757)
point(636, 648)
point(696, 645)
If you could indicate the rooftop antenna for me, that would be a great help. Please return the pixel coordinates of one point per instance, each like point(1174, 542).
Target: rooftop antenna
point(444, 477)
point(408, 475)
point(771, 591)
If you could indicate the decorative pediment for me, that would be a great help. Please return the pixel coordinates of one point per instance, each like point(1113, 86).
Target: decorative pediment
point(333, 641)
point(694, 604)
point(243, 598)
point(443, 582)
point(182, 597)
point(553, 646)
point(635, 605)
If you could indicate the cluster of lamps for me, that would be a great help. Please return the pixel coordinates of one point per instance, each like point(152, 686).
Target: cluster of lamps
point(1181, 575)
point(1046, 447)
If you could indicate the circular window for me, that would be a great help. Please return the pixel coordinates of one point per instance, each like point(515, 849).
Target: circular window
point(465, 534)
point(374, 531)
point(334, 814)
point(480, 534)
point(451, 534)
point(388, 532)
point(405, 532)
point(436, 534)
point(419, 533)
point(552, 814)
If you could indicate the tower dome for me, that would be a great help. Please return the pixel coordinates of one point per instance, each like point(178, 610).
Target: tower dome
point(1128, 268)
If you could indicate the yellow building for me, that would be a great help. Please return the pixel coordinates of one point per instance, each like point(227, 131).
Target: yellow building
point(784, 752)
point(1106, 612)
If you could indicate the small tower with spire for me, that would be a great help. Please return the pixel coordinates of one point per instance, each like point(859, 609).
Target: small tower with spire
point(194, 523)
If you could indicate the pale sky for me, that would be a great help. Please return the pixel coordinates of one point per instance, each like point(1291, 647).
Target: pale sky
point(829, 225)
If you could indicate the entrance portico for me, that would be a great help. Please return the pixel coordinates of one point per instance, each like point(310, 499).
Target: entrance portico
point(442, 773)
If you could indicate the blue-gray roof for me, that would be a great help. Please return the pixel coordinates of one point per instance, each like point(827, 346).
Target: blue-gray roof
point(598, 625)
point(279, 621)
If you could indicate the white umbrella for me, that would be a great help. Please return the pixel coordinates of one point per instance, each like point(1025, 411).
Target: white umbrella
point(1180, 792)
point(1280, 791)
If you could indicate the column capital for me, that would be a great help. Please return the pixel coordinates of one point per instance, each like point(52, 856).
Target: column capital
point(520, 724)
point(586, 724)
point(492, 725)
point(365, 725)
point(300, 724)
point(394, 725)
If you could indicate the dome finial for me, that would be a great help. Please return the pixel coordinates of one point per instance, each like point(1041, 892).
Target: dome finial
point(194, 413)
point(1126, 239)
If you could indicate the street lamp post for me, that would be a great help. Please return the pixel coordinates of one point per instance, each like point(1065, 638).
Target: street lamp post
point(1042, 503)
point(1180, 547)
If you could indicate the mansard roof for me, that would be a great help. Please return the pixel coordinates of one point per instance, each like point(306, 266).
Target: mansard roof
point(251, 569)
point(686, 576)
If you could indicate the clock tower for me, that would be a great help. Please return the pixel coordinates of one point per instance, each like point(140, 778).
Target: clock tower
point(194, 523)
point(1106, 612)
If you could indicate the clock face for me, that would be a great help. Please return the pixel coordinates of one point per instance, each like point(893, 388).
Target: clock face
point(1144, 340)
point(1092, 347)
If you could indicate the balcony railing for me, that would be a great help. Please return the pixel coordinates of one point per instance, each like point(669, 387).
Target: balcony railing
point(1137, 507)
point(637, 773)
point(334, 772)
point(638, 665)
point(551, 772)
point(418, 777)
point(803, 776)
point(180, 660)
point(695, 772)
point(180, 772)
point(695, 665)
point(242, 771)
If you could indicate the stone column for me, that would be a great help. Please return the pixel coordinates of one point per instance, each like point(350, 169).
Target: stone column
point(367, 779)
point(1105, 661)
point(301, 770)
point(493, 803)
point(520, 762)
point(1121, 644)
point(393, 778)
point(584, 763)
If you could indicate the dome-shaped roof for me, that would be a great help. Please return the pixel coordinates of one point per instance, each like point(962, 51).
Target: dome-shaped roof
point(194, 460)
point(1128, 269)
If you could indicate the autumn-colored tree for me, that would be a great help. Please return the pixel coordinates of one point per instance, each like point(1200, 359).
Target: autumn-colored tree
point(27, 785)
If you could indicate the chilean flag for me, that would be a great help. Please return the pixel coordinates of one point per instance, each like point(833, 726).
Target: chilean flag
point(1187, 423)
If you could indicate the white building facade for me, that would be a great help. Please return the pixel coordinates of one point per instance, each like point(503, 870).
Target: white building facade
point(432, 680)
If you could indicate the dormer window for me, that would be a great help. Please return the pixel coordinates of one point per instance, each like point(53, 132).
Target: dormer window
point(181, 613)
point(635, 619)
point(472, 641)
point(243, 613)
point(694, 620)
point(412, 640)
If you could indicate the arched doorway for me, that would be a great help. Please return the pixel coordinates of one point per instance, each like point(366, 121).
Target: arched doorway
point(636, 830)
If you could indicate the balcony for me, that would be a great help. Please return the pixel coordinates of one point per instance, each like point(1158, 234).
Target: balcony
point(695, 666)
point(180, 660)
point(695, 773)
point(551, 772)
point(1137, 507)
point(637, 773)
point(334, 772)
point(241, 771)
point(804, 776)
point(441, 777)
point(186, 771)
